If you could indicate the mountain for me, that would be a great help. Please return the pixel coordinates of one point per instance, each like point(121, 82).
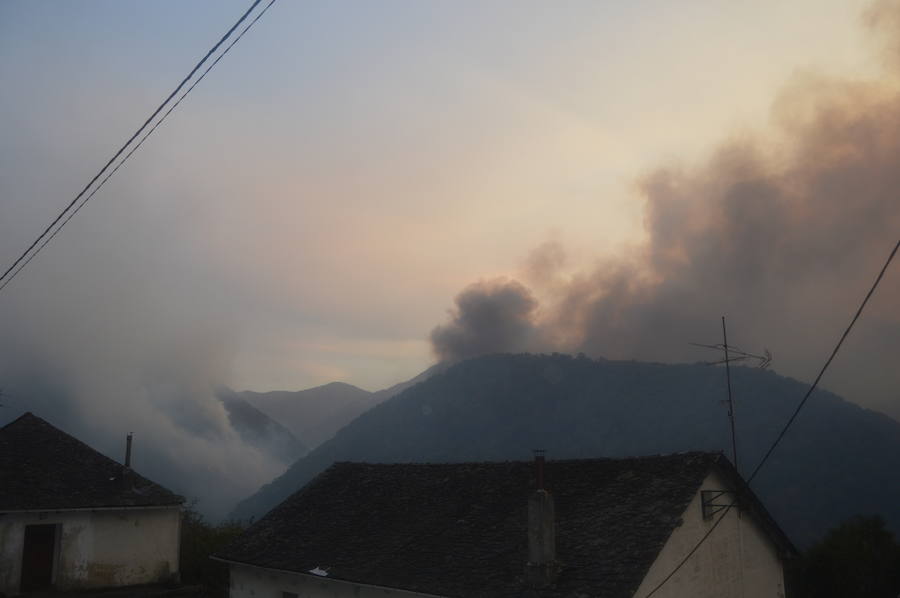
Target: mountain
point(837, 460)
point(317, 413)
point(314, 414)
point(259, 430)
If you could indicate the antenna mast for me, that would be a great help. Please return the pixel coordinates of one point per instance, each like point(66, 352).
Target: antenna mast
point(734, 354)
point(730, 399)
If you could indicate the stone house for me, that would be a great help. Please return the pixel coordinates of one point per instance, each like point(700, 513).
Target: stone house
point(572, 528)
point(71, 518)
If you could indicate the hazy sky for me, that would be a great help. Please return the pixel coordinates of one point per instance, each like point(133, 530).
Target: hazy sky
point(311, 211)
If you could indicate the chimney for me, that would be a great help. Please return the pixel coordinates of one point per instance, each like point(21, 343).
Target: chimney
point(542, 567)
point(126, 481)
point(128, 451)
point(539, 468)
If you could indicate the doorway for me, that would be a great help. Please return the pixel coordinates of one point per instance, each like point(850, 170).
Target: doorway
point(37, 557)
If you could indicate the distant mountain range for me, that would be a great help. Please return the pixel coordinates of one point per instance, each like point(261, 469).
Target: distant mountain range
point(286, 424)
point(837, 460)
point(315, 414)
point(259, 430)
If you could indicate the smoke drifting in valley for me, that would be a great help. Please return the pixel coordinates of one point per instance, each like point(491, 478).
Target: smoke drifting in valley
point(119, 353)
point(782, 233)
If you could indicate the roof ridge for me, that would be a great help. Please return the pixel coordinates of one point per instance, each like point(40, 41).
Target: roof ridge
point(24, 415)
point(45, 467)
point(715, 454)
point(70, 437)
point(474, 517)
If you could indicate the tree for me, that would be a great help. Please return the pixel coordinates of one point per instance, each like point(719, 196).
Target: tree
point(199, 540)
point(858, 559)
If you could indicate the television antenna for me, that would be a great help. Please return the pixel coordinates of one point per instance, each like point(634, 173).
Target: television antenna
point(733, 354)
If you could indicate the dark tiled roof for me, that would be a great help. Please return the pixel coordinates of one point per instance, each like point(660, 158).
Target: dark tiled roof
point(460, 529)
point(42, 467)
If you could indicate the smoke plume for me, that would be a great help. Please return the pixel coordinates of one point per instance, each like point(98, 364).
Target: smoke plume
point(128, 343)
point(490, 316)
point(783, 233)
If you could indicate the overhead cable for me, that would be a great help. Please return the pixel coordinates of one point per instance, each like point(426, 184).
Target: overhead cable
point(63, 217)
point(790, 421)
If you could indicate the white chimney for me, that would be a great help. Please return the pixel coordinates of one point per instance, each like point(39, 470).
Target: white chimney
point(542, 567)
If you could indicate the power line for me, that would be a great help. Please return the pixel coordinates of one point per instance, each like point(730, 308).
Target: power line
point(138, 145)
point(827, 363)
point(41, 241)
point(691, 553)
point(790, 421)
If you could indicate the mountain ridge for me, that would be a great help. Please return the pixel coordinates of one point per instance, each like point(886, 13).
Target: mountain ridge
point(500, 407)
point(314, 415)
point(261, 431)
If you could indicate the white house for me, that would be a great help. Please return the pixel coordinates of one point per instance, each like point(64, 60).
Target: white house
point(578, 528)
point(72, 518)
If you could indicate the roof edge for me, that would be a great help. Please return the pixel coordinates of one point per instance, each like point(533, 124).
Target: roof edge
point(756, 507)
point(98, 508)
point(26, 414)
point(308, 574)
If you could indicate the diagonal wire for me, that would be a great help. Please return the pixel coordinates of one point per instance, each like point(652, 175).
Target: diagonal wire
point(121, 150)
point(139, 144)
point(790, 421)
point(693, 550)
point(827, 363)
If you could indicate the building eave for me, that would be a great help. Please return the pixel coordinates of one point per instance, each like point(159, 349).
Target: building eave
point(322, 577)
point(97, 508)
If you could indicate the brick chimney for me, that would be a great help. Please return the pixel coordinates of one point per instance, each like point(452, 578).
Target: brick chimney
point(542, 567)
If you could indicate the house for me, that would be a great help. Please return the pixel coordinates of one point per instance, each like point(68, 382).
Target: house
point(594, 527)
point(72, 518)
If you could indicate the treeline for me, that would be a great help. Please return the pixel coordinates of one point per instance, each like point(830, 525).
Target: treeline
point(199, 540)
point(858, 559)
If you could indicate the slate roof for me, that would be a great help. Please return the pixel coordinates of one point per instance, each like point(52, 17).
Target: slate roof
point(460, 529)
point(43, 468)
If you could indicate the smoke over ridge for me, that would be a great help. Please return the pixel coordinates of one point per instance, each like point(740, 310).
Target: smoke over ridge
point(782, 233)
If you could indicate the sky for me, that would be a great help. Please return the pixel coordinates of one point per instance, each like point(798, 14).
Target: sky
point(358, 187)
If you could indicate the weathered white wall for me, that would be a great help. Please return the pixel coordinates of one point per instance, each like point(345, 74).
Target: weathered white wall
point(256, 582)
point(737, 560)
point(97, 548)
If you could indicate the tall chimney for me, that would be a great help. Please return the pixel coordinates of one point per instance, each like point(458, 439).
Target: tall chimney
point(539, 468)
point(128, 450)
point(542, 567)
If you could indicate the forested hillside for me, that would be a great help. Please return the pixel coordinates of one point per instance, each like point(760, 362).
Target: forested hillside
point(837, 461)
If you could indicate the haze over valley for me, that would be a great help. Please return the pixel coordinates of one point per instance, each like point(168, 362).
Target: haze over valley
point(414, 231)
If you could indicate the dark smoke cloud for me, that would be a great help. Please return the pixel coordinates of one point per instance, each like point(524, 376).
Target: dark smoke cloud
point(783, 235)
point(490, 316)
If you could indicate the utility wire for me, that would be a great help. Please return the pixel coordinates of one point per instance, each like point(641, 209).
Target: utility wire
point(827, 363)
point(139, 144)
point(6, 275)
point(691, 553)
point(784, 430)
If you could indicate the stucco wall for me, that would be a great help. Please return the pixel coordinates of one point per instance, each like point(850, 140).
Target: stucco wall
point(97, 548)
point(737, 560)
point(256, 582)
